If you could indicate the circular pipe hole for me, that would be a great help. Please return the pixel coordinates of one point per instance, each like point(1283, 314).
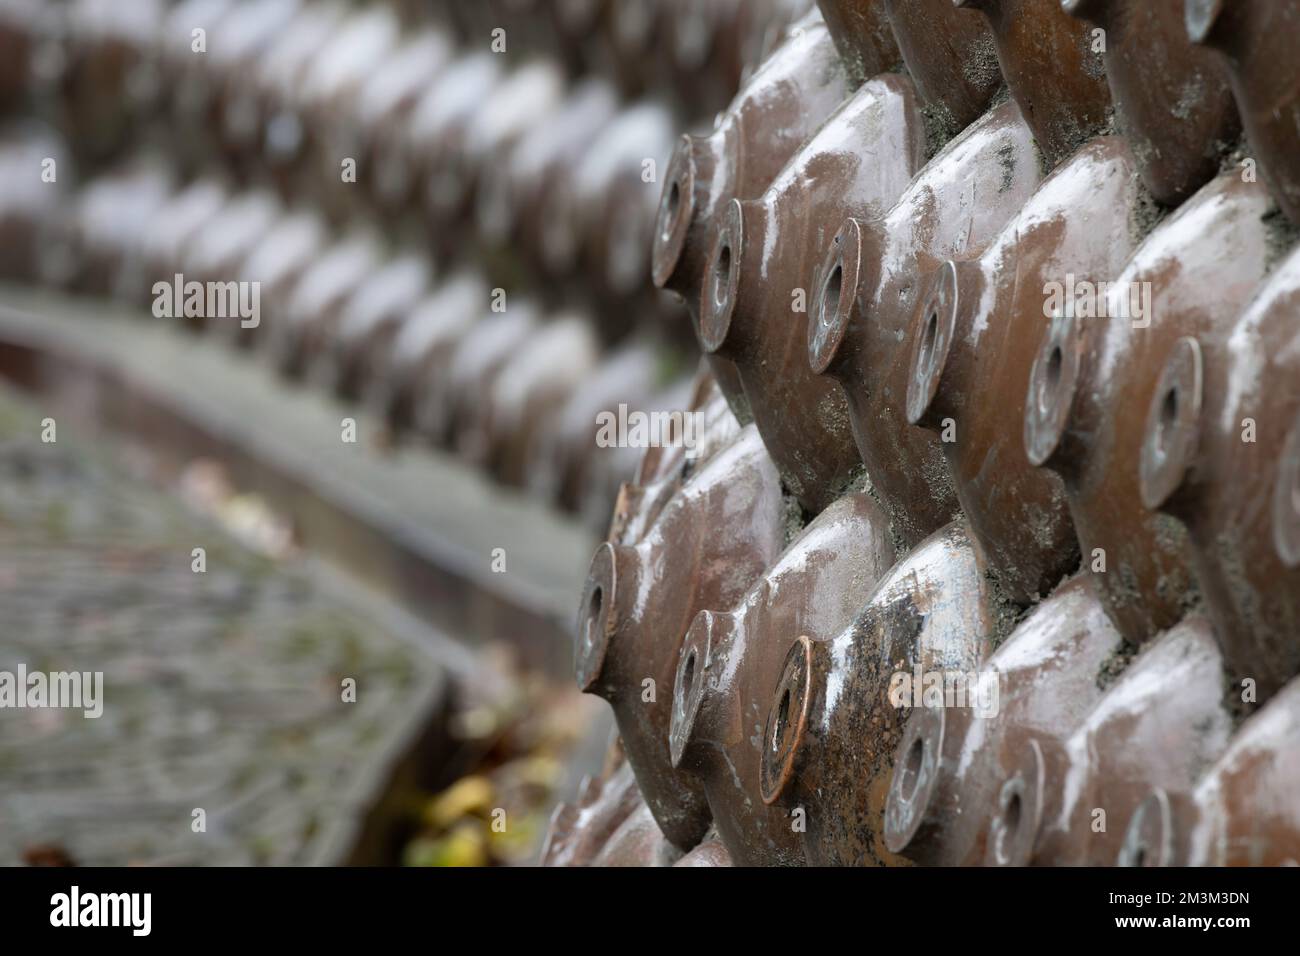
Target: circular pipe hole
point(673, 209)
point(782, 720)
point(912, 767)
point(1050, 380)
point(832, 289)
point(928, 340)
point(721, 276)
point(594, 603)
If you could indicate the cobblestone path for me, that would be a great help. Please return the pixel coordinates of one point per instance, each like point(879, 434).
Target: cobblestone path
point(223, 690)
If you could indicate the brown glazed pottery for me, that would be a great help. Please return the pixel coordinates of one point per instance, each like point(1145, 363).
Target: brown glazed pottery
point(421, 343)
point(278, 262)
point(215, 253)
point(1243, 811)
point(781, 105)
point(1040, 683)
point(369, 323)
point(730, 661)
point(1150, 64)
point(315, 302)
point(1052, 68)
point(384, 106)
point(579, 831)
point(514, 185)
point(1258, 40)
point(1094, 375)
point(950, 55)
point(867, 294)
point(566, 447)
point(638, 841)
point(714, 538)
point(108, 215)
point(1158, 725)
point(1221, 453)
point(168, 232)
point(526, 97)
point(25, 212)
point(710, 852)
point(453, 359)
point(662, 470)
point(973, 339)
point(530, 388)
point(760, 277)
point(862, 35)
point(832, 729)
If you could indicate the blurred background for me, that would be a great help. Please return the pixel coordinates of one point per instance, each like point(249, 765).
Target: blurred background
point(325, 540)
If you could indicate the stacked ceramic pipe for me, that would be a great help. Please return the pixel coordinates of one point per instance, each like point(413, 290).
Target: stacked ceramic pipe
point(1008, 293)
point(448, 208)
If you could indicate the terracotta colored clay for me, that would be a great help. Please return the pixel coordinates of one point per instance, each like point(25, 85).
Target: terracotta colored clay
point(1052, 68)
point(1171, 98)
point(868, 289)
point(831, 731)
point(950, 55)
point(1243, 811)
point(730, 661)
point(1221, 453)
point(760, 275)
point(1040, 683)
point(1191, 276)
point(1258, 40)
point(973, 339)
point(714, 539)
point(1158, 725)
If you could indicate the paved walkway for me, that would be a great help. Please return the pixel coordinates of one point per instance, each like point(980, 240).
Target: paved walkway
point(222, 689)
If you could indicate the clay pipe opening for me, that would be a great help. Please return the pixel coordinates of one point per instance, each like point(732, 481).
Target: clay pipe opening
point(835, 301)
point(1172, 432)
point(1013, 830)
point(597, 619)
point(934, 325)
point(786, 728)
point(1149, 838)
point(675, 257)
point(690, 684)
point(1053, 383)
point(913, 821)
point(721, 288)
